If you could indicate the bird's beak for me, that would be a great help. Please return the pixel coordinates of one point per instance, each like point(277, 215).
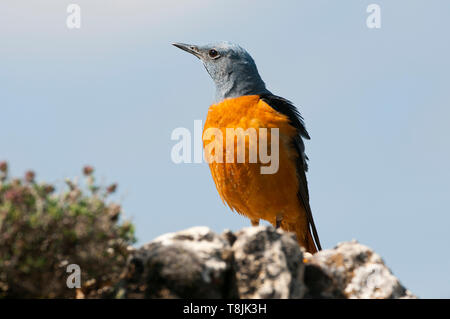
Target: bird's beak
point(193, 49)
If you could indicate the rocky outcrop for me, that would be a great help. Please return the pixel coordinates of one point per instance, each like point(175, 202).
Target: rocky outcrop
point(358, 272)
point(256, 262)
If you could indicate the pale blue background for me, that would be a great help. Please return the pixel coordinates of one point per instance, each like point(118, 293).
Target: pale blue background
point(376, 103)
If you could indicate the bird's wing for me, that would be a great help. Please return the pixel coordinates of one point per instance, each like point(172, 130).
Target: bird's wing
point(285, 107)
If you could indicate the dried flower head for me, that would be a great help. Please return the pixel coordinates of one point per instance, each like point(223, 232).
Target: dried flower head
point(29, 176)
point(111, 188)
point(3, 166)
point(48, 189)
point(88, 170)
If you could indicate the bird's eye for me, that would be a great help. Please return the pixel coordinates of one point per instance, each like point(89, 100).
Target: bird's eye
point(213, 53)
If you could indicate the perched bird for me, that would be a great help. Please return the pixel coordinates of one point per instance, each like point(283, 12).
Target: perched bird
point(243, 101)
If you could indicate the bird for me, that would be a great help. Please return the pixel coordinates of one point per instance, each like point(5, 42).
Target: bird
point(243, 101)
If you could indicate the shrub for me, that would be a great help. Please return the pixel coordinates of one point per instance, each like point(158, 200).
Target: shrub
point(41, 233)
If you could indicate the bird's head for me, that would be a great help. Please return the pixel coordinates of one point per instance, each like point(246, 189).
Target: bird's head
point(230, 66)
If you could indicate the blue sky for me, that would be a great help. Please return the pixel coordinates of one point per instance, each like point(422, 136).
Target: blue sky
point(375, 102)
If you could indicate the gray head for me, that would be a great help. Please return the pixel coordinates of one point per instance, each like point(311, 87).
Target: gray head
point(231, 67)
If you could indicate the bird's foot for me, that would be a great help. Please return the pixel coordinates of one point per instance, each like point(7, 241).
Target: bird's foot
point(255, 222)
point(278, 221)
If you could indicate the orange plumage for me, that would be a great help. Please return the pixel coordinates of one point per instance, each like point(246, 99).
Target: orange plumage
point(242, 186)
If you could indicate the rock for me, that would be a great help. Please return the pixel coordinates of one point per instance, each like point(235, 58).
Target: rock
point(268, 264)
point(319, 284)
point(193, 263)
point(357, 272)
point(256, 262)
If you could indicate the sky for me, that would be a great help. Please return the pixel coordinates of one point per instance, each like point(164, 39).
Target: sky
point(375, 102)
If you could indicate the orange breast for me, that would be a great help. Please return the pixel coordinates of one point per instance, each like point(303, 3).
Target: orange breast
point(241, 185)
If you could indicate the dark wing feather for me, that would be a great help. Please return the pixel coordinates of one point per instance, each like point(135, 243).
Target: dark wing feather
point(285, 107)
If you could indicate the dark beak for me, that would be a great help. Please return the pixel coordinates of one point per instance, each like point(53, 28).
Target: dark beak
point(193, 49)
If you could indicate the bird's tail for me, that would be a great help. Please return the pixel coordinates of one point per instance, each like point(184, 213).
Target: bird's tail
point(307, 242)
point(303, 234)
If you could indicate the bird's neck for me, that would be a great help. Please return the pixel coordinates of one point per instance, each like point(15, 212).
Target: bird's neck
point(232, 85)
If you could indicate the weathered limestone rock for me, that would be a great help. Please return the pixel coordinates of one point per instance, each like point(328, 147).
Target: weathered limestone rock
point(359, 272)
point(268, 264)
point(193, 263)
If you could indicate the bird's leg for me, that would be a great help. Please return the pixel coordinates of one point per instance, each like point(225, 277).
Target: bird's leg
point(278, 221)
point(255, 222)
